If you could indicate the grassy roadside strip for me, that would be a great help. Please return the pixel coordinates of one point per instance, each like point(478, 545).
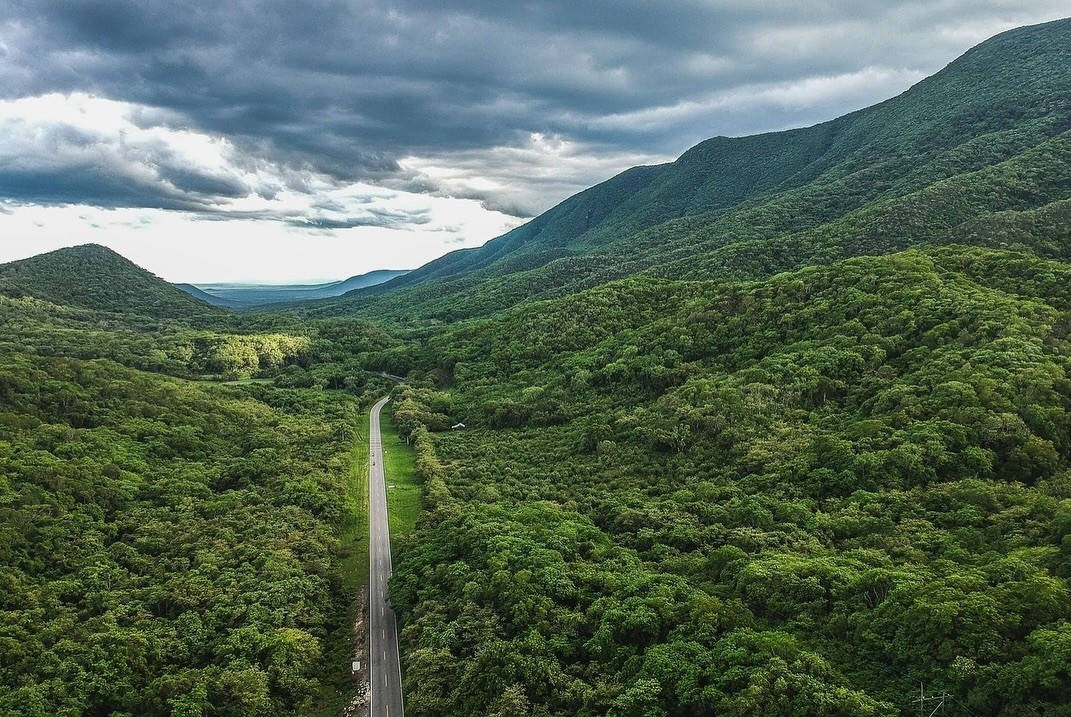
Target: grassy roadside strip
point(337, 687)
point(353, 528)
point(399, 464)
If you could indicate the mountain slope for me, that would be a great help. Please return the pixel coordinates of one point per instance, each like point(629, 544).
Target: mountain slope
point(729, 199)
point(91, 276)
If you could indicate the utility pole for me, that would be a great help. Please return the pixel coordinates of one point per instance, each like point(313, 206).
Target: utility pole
point(936, 701)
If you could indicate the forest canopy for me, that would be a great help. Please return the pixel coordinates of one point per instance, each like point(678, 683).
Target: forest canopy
point(169, 543)
point(800, 496)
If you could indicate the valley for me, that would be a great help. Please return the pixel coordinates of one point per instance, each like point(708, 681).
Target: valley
point(243, 296)
point(779, 428)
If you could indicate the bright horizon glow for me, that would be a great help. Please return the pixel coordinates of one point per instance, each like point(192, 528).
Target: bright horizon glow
point(184, 248)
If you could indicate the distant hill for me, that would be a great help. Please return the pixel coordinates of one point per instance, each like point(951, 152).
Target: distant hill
point(246, 295)
point(985, 136)
point(91, 276)
point(206, 297)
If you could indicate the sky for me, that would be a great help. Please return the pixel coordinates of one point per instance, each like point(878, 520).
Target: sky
point(306, 140)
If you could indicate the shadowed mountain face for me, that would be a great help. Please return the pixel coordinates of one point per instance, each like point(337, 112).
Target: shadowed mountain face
point(95, 277)
point(983, 137)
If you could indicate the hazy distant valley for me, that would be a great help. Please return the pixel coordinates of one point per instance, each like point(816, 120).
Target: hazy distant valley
point(240, 296)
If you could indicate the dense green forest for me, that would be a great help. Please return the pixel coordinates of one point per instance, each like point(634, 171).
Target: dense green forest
point(804, 495)
point(780, 428)
point(800, 496)
point(168, 541)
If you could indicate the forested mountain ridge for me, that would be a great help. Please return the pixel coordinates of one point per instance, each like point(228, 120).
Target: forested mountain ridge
point(751, 206)
point(94, 277)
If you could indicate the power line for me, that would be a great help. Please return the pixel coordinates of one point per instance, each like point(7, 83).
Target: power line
point(938, 702)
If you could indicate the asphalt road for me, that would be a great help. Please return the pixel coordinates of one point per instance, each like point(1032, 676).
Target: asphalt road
point(385, 673)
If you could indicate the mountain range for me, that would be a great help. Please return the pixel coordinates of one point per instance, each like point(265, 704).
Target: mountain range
point(963, 156)
point(247, 295)
point(979, 153)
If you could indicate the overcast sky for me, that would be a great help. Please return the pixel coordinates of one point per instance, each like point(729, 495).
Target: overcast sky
point(289, 140)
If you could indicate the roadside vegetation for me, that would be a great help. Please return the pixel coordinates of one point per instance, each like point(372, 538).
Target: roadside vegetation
point(350, 569)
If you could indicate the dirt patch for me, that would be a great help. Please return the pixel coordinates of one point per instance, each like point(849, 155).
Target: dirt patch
point(359, 705)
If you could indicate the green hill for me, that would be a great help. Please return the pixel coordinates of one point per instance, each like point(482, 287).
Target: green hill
point(984, 136)
point(95, 277)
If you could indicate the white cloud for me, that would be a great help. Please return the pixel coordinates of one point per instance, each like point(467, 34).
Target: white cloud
point(279, 223)
point(136, 147)
point(527, 178)
point(181, 246)
point(867, 84)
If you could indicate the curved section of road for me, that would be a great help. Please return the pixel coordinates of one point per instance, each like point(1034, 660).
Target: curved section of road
point(385, 675)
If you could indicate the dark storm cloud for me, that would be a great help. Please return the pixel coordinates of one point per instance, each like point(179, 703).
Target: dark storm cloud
point(77, 160)
point(351, 89)
point(386, 218)
point(193, 182)
point(88, 185)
